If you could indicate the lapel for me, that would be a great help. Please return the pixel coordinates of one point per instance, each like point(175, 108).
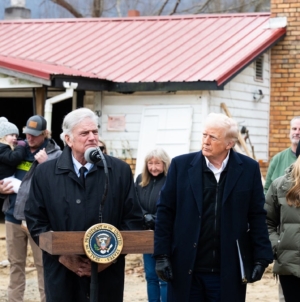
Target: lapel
point(234, 170)
point(195, 178)
point(65, 165)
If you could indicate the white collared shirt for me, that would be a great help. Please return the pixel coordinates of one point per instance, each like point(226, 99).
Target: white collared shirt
point(217, 172)
point(78, 165)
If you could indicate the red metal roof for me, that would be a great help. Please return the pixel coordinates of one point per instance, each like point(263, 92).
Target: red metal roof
point(140, 49)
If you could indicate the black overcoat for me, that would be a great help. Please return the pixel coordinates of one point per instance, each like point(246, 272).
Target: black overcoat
point(58, 202)
point(178, 223)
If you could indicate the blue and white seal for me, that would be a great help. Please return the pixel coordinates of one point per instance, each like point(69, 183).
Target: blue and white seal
point(103, 243)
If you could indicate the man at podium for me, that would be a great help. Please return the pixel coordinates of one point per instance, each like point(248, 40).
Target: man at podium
point(72, 194)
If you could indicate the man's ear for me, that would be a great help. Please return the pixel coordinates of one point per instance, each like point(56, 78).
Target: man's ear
point(230, 145)
point(68, 140)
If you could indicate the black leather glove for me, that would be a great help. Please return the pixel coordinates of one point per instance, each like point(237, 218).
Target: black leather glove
point(149, 221)
point(163, 268)
point(257, 272)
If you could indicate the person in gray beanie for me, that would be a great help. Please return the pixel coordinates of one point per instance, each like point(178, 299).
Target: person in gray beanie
point(12, 151)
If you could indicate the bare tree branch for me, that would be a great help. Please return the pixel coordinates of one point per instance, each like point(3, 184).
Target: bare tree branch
point(196, 9)
point(203, 7)
point(68, 7)
point(259, 6)
point(175, 7)
point(239, 8)
point(97, 8)
point(242, 5)
point(162, 7)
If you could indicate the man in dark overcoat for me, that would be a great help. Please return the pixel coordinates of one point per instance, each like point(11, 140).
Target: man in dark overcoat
point(210, 199)
point(60, 201)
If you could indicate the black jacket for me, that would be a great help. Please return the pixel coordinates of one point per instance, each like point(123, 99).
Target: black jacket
point(148, 195)
point(179, 217)
point(58, 201)
point(9, 159)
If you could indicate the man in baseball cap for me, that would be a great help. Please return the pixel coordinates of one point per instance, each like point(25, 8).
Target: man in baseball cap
point(35, 125)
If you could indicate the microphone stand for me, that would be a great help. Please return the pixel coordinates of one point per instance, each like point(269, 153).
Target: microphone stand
point(94, 265)
point(105, 185)
point(94, 282)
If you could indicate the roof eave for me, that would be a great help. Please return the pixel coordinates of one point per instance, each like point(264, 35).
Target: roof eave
point(104, 85)
point(226, 77)
point(22, 73)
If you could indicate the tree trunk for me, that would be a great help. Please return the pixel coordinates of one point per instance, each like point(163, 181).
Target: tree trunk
point(97, 8)
point(68, 7)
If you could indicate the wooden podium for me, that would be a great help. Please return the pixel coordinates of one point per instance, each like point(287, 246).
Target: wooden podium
point(70, 243)
point(134, 242)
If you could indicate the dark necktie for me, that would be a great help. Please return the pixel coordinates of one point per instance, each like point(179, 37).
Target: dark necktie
point(82, 170)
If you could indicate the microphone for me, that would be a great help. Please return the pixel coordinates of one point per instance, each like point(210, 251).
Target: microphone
point(93, 155)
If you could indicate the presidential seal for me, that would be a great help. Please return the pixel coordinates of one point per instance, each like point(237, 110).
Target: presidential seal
point(103, 243)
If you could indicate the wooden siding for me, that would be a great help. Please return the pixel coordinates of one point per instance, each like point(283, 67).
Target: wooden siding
point(124, 144)
point(237, 95)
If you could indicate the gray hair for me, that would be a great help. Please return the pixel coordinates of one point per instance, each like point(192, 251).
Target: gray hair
point(162, 155)
point(294, 118)
point(75, 117)
point(220, 120)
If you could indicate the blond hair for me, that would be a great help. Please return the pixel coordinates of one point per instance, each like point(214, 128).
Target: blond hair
point(4, 141)
point(160, 154)
point(293, 194)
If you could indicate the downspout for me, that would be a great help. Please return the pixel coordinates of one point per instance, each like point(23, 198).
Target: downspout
point(58, 98)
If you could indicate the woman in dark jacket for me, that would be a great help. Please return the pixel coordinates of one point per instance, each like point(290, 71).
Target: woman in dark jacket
point(148, 186)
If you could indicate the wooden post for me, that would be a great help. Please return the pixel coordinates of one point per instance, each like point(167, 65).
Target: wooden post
point(40, 95)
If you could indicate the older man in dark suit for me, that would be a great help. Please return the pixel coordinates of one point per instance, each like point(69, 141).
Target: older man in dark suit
point(68, 194)
point(211, 199)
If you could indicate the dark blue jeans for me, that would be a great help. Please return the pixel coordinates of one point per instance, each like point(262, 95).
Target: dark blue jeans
point(206, 287)
point(156, 288)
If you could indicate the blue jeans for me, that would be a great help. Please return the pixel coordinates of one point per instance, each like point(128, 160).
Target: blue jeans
point(206, 287)
point(156, 288)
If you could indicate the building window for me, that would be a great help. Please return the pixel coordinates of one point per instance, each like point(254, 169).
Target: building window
point(259, 67)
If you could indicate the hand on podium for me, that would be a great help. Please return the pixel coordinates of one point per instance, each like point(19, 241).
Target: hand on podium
point(163, 268)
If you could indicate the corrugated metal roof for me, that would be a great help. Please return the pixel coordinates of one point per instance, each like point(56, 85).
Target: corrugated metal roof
point(141, 49)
